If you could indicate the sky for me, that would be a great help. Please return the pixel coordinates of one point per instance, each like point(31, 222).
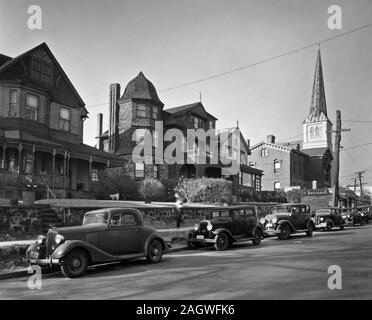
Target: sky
point(175, 42)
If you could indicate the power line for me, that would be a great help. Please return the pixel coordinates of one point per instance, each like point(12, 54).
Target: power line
point(358, 146)
point(218, 75)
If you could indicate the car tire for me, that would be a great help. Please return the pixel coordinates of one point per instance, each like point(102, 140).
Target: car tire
point(285, 232)
point(74, 264)
point(155, 251)
point(257, 237)
point(310, 230)
point(222, 242)
point(342, 226)
point(329, 227)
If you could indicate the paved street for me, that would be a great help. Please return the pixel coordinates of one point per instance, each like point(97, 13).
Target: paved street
point(291, 269)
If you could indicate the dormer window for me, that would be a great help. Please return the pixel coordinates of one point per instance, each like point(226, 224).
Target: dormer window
point(141, 111)
point(155, 113)
point(13, 97)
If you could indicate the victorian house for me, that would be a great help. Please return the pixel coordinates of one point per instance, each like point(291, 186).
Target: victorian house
point(139, 109)
point(41, 130)
point(305, 163)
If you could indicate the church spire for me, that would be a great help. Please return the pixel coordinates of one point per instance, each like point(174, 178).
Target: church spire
point(318, 100)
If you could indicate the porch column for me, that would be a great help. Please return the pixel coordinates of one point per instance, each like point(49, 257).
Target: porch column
point(90, 173)
point(3, 159)
point(19, 157)
point(33, 160)
point(53, 166)
point(68, 170)
point(64, 170)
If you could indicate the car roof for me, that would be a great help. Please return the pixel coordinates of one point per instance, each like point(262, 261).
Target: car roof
point(113, 210)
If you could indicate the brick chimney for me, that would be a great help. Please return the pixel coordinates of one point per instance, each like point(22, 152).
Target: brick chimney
point(99, 131)
point(114, 116)
point(270, 138)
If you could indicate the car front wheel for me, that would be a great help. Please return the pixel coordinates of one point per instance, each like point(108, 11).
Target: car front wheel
point(222, 242)
point(342, 226)
point(74, 264)
point(257, 237)
point(155, 251)
point(285, 232)
point(329, 226)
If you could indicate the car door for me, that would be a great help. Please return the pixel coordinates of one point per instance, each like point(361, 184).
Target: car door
point(295, 218)
point(251, 220)
point(122, 235)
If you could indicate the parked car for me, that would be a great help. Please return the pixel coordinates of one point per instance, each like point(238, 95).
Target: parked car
point(328, 218)
point(365, 212)
point(287, 219)
point(352, 217)
point(223, 226)
point(106, 235)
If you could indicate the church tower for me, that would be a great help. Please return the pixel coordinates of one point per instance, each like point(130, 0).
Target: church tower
point(317, 127)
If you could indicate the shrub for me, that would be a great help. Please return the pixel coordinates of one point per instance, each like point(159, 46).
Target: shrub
point(150, 189)
point(168, 191)
point(205, 190)
point(112, 184)
point(294, 195)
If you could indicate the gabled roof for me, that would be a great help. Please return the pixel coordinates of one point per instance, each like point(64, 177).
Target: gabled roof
point(280, 147)
point(141, 88)
point(13, 61)
point(188, 107)
point(4, 59)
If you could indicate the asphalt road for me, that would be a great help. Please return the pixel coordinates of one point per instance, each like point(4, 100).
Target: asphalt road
point(291, 269)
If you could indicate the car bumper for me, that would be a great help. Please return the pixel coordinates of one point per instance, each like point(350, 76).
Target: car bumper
point(271, 232)
point(321, 225)
point(202, 240)
point(44, 262)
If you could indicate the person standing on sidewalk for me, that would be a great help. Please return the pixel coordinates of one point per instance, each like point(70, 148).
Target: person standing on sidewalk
point(179, 205)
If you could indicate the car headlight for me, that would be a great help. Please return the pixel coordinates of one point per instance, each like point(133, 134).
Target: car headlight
point(209, 227)
point(41, 239)
point(263, 220)
point(348, 216)
point(362, 214)
point(196, 227)
point(321, 219)
point(59, 239)
point(274, 220)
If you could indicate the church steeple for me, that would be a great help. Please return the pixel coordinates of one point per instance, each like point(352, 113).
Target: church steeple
point(318, 100)
point(317, 127)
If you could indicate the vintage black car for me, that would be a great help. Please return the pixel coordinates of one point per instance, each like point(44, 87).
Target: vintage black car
point(287, 219)
point(328, 218)
point(106, 235)
point(223, 226)
point(352, 217)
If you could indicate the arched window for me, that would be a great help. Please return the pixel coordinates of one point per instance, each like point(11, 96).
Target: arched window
point(317, 131)
point(263, 152)
point(311, 132)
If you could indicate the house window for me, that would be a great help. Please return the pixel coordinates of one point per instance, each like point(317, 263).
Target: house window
point(276, 185)
point(211, 125)
point(196, 122)
point(32, 107)
point(243, 158)
point(247, 179)
point(276, 166)
point(263, 152)
point(41, 71)
point(13, 103)
point(140, 170)
point(95, 175)
point(251, 164)
point(64, 119)
point(156, 171)
point(155, 113)
point(141, 111)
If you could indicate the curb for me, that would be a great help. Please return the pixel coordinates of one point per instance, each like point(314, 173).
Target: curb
point(16, 274)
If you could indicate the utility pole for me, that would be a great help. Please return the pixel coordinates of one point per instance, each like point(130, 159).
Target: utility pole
point(354, 185)
point(359, 173)
point(338, 132)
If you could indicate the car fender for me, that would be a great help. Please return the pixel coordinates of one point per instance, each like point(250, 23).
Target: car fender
point(331, 222)
point(32, 247)
point(281, 222)
point(95, 254)
point(312, 223)
point(221, 230)
point(154, 236)
point(259, 227)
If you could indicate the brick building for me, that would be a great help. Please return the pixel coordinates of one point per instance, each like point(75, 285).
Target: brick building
point(300, 163)
point(41, 129)
point(139, 109)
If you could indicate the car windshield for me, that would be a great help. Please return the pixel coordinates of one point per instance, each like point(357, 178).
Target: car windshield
point(95, 217)
point(284, 209)
point(220, 214)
